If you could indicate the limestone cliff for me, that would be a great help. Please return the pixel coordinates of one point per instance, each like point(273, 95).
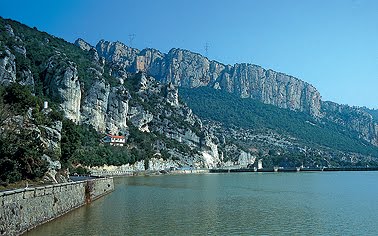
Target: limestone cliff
point(62, 83)
point(121, 90)
point(188, 69)
point(353, 118)
point(7, 67)
point(92, 86)
point(270, 87)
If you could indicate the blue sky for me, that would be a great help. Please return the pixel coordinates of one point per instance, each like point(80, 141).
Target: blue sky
point(332, 44)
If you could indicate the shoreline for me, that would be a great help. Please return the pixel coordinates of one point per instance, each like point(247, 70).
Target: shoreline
point(294, 169)
point(116, 174)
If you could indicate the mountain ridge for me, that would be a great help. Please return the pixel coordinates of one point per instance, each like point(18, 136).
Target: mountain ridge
point(110, 88)
point(185, 68)
point(189, 69)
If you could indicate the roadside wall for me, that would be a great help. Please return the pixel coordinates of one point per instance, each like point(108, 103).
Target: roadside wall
point(24, 209)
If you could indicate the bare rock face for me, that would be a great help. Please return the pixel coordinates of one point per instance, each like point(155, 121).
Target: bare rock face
point(157, 164)
point(118, 106)
point(353, 118)
point(270, 87)
point(95, 105)
point(62, 81)
point(9, 30)
point(20, 49)
point(8, 72)
point(151, 61)
point(140, 118)
point(83, 45)
point(246, 159)
point(53, 173)
point(117, 53)
point(26, 78)
point(172, 95)
point(7, 67)
point(103, 106)
point(187, 69)
point(209, 150)
point(51, 137)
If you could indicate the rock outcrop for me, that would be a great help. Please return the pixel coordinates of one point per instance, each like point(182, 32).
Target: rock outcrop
point(117, 110)
point(353, 118)
point(95, 105)
point(140, 118)
point(270, 87)
point(62, 83)
point(117, 53)
point(7, 67)
point(188, 69)
point(83, 45)
point(172, 95)
point(118, 89)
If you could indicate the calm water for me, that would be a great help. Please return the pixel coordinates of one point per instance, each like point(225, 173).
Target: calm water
point(317, 203)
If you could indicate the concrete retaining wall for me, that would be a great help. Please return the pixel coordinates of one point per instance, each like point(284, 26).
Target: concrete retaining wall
point(193, 171)
point(23, 209)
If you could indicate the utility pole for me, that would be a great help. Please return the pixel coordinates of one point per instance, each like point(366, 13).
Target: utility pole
point(131, 39)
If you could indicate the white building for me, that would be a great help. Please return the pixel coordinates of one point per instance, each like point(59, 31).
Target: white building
point(114, 140)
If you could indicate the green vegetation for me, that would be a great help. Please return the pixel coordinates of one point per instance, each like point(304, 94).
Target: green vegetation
point(81, 146)
point(248, 113)
point(40, 46)
point(20, 148)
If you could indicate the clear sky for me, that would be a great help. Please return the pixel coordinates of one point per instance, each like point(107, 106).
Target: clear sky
point(332, 44)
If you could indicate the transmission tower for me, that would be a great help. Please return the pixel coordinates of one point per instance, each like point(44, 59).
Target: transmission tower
point(131, 39)
point(207, 46)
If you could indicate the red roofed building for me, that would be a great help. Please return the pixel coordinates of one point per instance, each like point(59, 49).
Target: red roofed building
point(114, 140)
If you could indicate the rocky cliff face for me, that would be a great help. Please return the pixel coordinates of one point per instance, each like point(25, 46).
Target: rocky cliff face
point(62, 83)
point(353, 118)
point(115, 88)
point(117, 53)
point(111, 108)
point(7, 67)
point(104, 94)
point(270, 87)
point(188, 69)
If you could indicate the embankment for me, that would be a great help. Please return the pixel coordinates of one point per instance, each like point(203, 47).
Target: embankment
point(24, 209)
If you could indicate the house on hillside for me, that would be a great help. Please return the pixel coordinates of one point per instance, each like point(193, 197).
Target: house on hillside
point(114, 140)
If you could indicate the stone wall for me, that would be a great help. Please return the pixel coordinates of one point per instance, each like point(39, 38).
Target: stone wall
point(23, 209)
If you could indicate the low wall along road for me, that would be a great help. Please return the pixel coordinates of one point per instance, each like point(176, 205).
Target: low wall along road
point(24, 209)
